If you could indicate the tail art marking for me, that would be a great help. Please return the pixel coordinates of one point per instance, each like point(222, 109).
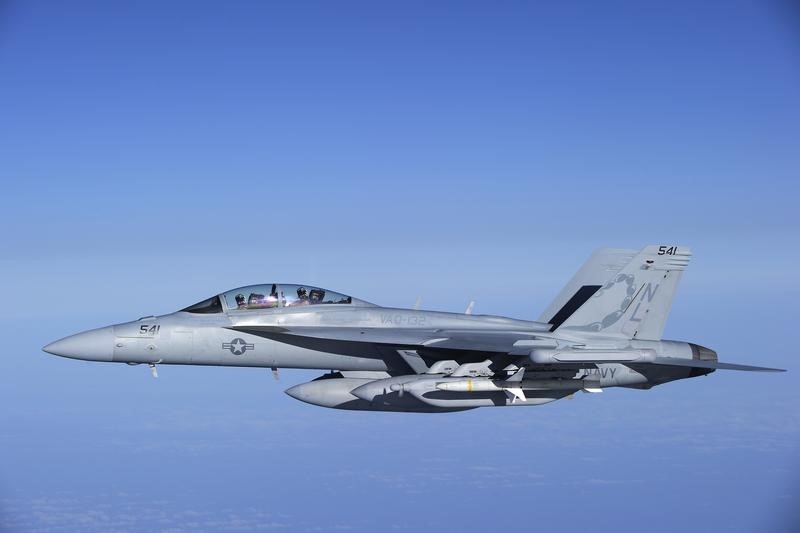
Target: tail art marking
point(611, 311)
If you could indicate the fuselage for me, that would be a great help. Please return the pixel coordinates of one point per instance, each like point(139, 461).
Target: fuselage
point(223, 339)
point(185, 338)
point(604, 329)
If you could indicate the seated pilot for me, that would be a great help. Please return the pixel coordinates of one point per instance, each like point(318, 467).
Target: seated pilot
point(302, 297)
point(240, 301)
point(316, 296)
point(255, 300)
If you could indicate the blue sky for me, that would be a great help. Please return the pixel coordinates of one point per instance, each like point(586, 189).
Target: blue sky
point(152, 155)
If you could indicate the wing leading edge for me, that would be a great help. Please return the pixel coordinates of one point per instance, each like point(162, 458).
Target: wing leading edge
point(475, 340)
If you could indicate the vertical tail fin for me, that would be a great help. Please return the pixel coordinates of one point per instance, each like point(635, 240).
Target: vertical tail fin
point(636, 301)
point(595, 272)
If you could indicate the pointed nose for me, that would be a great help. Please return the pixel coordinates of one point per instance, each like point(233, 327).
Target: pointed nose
point(92, 345)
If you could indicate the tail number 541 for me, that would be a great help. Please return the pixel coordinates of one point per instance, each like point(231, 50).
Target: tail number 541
point(667, 250)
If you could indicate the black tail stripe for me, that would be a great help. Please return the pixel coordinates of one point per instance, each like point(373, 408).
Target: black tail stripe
point(574, 303)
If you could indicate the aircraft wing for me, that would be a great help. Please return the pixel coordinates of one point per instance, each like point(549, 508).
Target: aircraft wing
point(403, 338)
point(387, 342)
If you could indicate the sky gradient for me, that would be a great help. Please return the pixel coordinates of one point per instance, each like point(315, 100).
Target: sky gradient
point(153, 155)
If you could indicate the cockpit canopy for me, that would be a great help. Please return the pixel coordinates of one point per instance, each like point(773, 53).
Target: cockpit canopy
point(271, 296)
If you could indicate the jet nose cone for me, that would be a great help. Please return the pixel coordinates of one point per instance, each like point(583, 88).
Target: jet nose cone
point(92, 345)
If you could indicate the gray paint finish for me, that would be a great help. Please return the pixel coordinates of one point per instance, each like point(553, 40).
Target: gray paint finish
point(392, 359)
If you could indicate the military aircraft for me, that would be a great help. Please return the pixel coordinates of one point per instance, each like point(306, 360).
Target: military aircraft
point(602, 330)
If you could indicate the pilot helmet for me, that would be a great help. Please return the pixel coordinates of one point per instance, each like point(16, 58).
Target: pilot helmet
point(240, 299)
point(302, 293)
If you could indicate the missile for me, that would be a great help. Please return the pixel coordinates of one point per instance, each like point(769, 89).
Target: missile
point(405, 389)
point(512, 390)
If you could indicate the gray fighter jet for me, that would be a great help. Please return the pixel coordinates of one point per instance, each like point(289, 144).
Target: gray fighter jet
point(602, 330)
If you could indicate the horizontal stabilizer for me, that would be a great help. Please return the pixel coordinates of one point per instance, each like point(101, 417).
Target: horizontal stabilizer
point(697, 363)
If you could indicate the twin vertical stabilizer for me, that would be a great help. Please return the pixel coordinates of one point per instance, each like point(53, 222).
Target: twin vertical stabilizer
point(635, 302)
